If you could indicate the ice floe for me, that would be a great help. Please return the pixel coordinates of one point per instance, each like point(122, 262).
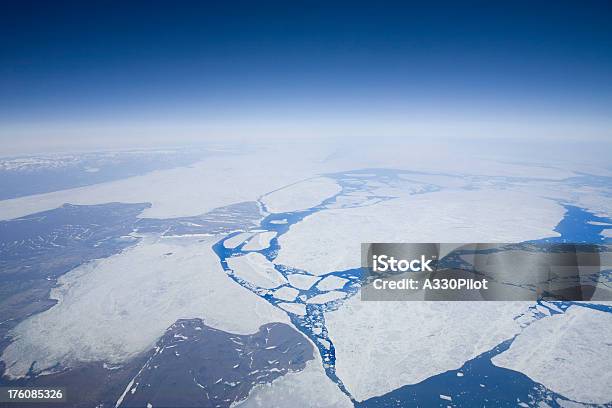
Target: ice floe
point(236, 240)
point(330, 240)
point(302, 281)
point(286, 293)
point(295, 308)
point(331, 282)
point(279, 222)
point(569, 353)
point(260, 241)
point(255, 269)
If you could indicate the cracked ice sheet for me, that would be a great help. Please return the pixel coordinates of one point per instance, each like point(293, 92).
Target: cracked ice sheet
point(307, 388)
point(256, 270)
point(331, 240)
point(414, 340)
point(130, 299)
point(569, 353)
point(302, 195)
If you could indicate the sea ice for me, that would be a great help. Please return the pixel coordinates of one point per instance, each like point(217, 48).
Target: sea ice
point(301, 281)
point(326, 297)
point(569, 353)
point(331, 282)
point(286, 293)
point(331, 240)
point(256, 270)
point(295, 308)
point(278, 222)
point(412, 341)
point(215, 182)
point(300, 196)
point(236, 240)
point(260, 241)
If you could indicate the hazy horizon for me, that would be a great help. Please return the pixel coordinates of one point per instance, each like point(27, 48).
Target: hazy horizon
point(79, 76)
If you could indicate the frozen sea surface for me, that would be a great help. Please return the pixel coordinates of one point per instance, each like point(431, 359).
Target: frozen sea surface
point(297, 230)
point(478, 379)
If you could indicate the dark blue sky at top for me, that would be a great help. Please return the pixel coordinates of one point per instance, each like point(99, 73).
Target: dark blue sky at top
point(103, 60)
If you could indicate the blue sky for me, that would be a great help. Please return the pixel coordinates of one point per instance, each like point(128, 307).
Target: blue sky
point(85, 68)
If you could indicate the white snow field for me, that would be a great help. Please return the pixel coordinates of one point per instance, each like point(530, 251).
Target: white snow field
point(256, 270)
point(569, 353)
point(307, 388)
point(259, 241)
point(114, 308)
point(413, 340)
point(330, 240)
point(300, 196)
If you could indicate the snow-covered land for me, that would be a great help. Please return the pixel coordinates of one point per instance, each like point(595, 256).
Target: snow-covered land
point(569, 353)
point(300, 196)
point(112, 309)
point(255, 269)
point(381, 346)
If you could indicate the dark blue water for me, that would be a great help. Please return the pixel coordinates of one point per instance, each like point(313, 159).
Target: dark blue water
point(481, 382)
point(577, 227)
